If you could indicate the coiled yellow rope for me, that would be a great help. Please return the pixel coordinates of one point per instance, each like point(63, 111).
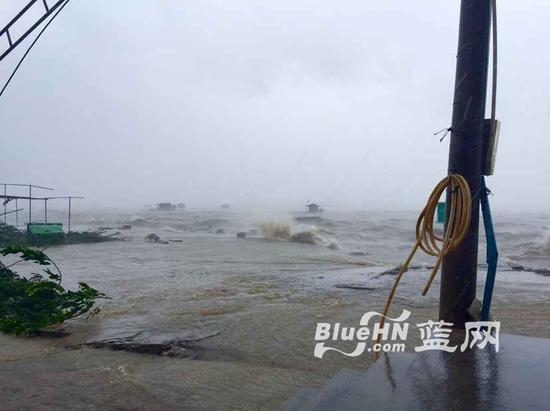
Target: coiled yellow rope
point(458, 223)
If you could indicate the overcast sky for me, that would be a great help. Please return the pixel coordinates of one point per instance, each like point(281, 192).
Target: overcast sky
point(265, 103)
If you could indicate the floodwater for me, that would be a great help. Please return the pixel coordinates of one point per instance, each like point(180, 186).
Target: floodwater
point(260, 297)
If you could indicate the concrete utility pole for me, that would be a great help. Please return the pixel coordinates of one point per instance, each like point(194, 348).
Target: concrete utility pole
point(459, 269)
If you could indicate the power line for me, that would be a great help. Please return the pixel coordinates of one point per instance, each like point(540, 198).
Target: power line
point(31, 46)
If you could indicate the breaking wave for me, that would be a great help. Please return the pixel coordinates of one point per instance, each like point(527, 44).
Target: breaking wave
point(282, 231)
point(139, 221)
point(275, 231)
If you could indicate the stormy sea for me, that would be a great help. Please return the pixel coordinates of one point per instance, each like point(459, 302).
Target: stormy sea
point(244, 291)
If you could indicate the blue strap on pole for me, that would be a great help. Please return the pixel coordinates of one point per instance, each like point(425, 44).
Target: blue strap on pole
point(492, 251)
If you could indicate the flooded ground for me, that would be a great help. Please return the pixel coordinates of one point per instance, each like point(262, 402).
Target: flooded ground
point(259, 299)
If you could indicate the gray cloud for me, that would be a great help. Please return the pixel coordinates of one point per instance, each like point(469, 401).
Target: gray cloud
point(265, 103)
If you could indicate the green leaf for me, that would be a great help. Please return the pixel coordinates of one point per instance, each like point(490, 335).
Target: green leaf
point(27, 254)
point(29, 304)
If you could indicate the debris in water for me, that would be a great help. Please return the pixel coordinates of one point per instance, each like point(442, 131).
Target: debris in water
point(355, 287)
point(152, 238)
point(144, 342)
point(333, 245)
point(394, 271)
point(518, 267)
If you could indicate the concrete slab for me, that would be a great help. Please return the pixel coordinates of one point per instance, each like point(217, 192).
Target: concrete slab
point(516, 377)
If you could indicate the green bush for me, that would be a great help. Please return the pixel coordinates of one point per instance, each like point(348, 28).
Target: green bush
point(30, 304)
point(11, 235)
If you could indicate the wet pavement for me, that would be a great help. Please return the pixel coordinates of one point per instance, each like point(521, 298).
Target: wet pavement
point(514, 378)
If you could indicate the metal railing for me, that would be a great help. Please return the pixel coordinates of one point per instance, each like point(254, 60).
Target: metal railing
point(14, 42)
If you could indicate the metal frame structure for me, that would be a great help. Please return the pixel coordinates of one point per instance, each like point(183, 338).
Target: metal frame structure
point(8, 197)
point(13, 43)
point(31, 186)
point(57, 198)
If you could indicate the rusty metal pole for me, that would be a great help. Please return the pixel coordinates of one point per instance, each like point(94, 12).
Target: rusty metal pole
point(459, 269)
point(30, 204)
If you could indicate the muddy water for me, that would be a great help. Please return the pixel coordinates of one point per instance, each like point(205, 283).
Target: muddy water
point(263, 299)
